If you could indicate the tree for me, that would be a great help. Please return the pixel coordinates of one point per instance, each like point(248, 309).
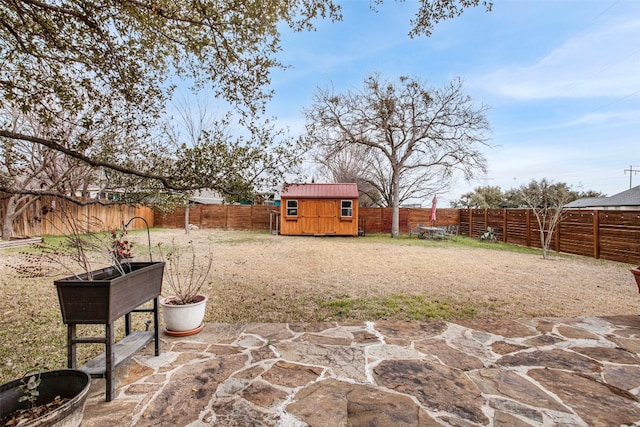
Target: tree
point(589, 193)
point(514, 197)
point(124, 57)
point(486, 197)
point(489, 197)
point(547, 201)
point(25, 166)
point(432, 12)
point(417, 137)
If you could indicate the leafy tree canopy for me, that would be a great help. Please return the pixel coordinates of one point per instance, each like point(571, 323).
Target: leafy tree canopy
point(494, 198)
point(109, 68)
point(481, 197)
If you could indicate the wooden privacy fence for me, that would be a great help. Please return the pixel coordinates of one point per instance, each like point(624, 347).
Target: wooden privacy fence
point(222, 217)
point(52, 216)
point(378, 220)
point(256, 217)
point(605, 234)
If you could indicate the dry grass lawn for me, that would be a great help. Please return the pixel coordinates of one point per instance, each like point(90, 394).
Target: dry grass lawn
point(258, 277)
point(264, 278)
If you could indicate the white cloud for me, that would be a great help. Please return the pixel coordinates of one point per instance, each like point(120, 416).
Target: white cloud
point(595, 118)
point(603, 62)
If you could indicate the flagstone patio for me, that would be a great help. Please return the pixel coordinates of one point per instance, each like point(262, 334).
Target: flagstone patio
point(533, 372)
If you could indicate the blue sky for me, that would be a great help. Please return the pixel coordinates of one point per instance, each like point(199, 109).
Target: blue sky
point(562, 79)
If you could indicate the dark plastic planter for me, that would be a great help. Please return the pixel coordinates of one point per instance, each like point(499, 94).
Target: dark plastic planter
point(66, 383)
point(109, 295)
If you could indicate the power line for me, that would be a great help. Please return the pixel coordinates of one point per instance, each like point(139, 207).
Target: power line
point(615, 101)
point(587, 77)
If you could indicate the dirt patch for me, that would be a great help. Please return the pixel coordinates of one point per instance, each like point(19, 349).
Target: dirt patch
point(264, 278)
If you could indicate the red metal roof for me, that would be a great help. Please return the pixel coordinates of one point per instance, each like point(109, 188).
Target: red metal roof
point(320, 191)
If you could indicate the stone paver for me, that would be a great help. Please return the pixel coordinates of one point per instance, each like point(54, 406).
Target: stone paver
point(534, 372)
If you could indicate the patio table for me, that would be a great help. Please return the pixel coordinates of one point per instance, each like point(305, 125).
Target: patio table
point(426, 232)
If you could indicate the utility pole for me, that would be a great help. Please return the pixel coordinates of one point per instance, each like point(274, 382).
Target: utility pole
point(631, 171)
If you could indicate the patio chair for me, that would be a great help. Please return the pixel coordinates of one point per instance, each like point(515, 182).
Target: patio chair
point(452, 230)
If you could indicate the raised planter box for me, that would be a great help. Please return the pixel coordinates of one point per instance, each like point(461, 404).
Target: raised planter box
point(109, 295)
point(102, 300)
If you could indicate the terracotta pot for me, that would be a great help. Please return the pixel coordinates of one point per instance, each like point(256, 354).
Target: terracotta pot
point(66, 383)
point(183, 319)
point(636, 275)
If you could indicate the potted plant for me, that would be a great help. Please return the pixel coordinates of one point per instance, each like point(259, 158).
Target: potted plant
point(45, 399)
point(185, 275)
point(100, 296)
point(103, 295)
point(489, 235)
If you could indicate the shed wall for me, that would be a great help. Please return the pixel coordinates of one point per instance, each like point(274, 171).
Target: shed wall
point(319, 217)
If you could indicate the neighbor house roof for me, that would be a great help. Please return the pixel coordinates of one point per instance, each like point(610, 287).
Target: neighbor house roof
point(587, 202)
point(631, 197)
point(320, 191)
point(628, 198)
point(207, 197)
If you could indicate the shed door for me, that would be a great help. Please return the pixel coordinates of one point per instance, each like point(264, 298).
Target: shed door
point(318, 216)
point(327, 216)
point(308, 217)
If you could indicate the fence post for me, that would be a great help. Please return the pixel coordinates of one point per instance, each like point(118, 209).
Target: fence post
point(486, 218)
point(470, 222)
point(504, 225)
point(557, 231)
point(528, 237)
point(596, 234)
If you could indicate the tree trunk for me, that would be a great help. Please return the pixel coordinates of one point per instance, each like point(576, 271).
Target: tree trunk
point(186, 218)
point(395, 215)
point(544, 244)
point(7, 221)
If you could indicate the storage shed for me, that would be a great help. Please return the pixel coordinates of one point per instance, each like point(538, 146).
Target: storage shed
point(319, 210)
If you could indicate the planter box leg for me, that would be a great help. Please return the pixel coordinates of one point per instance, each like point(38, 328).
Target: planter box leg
point(71, 346)
point(127, 324)
point(109, 362)
point(156, 326)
